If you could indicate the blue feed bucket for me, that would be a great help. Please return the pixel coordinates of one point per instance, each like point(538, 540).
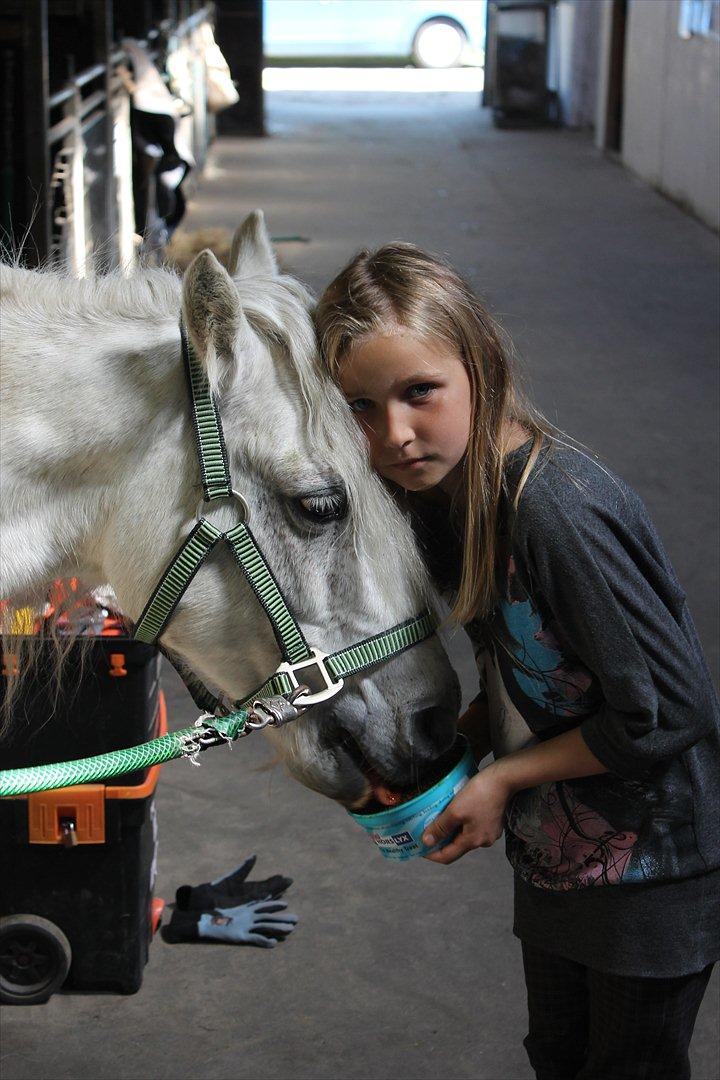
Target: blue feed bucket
point(398, 830)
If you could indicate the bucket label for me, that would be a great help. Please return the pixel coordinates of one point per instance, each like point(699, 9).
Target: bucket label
point(389, 841)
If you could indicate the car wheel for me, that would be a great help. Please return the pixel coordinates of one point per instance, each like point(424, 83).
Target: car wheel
point(438, 43)
point(35, 958)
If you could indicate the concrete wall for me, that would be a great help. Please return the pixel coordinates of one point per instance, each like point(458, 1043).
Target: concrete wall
point(671, 117)
point(577, 30)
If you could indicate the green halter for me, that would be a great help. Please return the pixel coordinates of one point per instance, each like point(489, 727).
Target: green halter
point(301, 662)
point(283, 696)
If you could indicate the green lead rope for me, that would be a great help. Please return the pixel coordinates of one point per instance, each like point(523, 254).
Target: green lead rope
point(184, 743)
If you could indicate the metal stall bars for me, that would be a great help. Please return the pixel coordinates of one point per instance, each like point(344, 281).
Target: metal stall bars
point(90, 188)
point(163, 140)
point(94, 215)
point(66, 179)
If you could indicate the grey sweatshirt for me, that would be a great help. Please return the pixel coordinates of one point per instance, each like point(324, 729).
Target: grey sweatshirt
point(620, 871)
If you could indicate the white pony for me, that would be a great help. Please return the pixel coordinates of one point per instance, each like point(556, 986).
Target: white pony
point(100, 480)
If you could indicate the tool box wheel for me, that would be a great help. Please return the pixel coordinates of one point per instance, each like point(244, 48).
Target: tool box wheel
point(35, 958)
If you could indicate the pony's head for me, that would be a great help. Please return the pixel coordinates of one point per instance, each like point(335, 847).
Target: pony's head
point(340, 548)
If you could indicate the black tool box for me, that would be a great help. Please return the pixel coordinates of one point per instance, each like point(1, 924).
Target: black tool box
point(78, 863)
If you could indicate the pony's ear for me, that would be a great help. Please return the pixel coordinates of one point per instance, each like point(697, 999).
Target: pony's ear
point(211, 312)
point(251, 253)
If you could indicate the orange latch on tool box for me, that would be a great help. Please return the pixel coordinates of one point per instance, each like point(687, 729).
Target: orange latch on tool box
point(67, 816)
point(76, 815)
point(117, 665)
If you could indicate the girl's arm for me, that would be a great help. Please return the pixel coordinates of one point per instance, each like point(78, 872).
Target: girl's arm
point(589, 550)
point(477, 811)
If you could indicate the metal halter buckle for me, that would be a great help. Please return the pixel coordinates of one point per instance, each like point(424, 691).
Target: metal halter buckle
point(317, 660)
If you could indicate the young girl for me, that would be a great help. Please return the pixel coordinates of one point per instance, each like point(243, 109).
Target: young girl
point(597, 702)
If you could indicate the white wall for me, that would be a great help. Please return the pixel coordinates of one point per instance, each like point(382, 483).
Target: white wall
point(671, 110)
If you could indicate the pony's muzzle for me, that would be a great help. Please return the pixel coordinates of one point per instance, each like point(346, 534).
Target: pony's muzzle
point(431, 732)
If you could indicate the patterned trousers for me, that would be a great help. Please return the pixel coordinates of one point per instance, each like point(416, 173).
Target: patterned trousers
point(588, 1025)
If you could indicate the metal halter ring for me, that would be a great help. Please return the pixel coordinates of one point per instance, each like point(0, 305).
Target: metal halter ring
point(245, 508)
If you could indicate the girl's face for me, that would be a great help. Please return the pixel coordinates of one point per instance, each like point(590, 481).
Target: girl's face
point(412, 398)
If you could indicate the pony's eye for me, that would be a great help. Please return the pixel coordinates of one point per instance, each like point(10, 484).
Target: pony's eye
point(328, 506)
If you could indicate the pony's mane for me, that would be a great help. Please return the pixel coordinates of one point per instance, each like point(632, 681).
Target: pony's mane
point(54, 294)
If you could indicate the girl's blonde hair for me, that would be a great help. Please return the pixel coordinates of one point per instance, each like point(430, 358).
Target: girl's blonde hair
point(401, 285)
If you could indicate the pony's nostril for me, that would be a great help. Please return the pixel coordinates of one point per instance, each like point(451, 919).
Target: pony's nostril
point(435, 728)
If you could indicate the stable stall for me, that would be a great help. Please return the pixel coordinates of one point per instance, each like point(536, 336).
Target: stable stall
point(79, 183)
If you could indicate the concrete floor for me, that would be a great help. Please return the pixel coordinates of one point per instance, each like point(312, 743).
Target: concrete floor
point(610, 293)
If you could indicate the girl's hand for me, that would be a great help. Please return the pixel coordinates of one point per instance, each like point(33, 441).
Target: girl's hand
point(477, 812)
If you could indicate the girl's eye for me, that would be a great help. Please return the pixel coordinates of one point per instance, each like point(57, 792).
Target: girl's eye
point(420, 390)
point(360, 404)
point(329, 506)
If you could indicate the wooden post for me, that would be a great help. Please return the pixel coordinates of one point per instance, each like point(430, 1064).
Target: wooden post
point(26, 173)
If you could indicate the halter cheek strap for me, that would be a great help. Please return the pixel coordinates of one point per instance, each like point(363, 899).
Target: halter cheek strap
point(301, 663)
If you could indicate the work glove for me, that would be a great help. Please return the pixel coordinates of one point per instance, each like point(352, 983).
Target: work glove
point(231, 890)
point(262, 924)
